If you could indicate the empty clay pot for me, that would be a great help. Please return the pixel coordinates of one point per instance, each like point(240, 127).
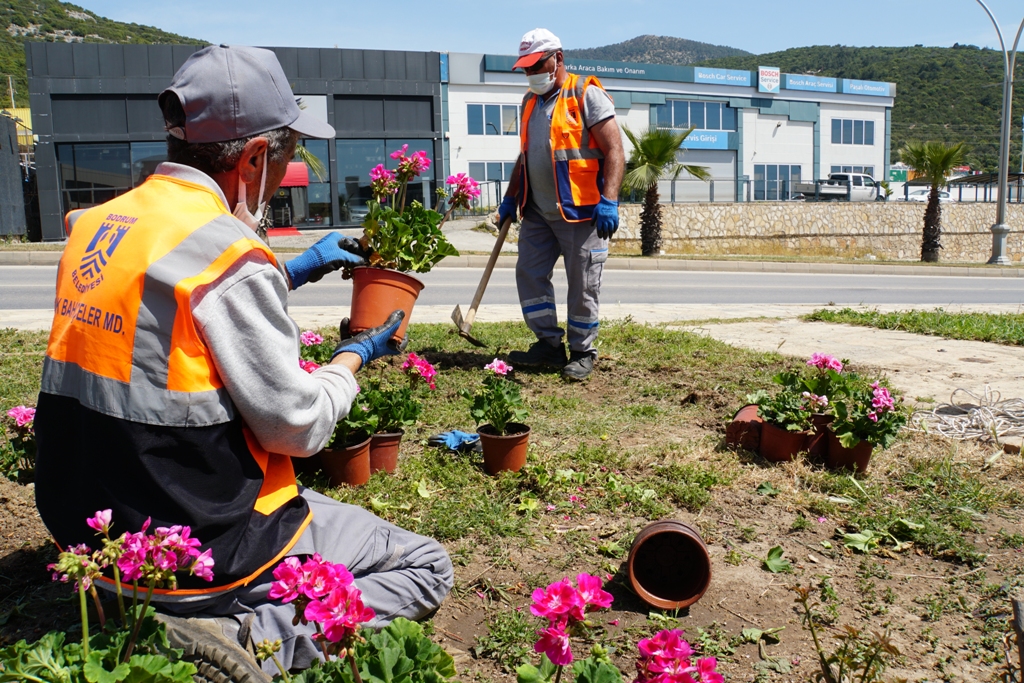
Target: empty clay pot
point(745, 429)
point(384, 451)
point(780, 445)
point(504, 453)
point(669, 566)
point(376, 292)
point(349, 465)
point(840, 458)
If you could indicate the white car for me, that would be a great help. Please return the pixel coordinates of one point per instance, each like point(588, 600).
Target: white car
point(922, 196)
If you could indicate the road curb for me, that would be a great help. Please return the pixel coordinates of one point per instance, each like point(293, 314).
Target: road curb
point(52, 258)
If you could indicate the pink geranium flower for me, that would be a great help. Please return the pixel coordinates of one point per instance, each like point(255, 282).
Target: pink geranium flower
point(100, 521)
point(498, 367)
point(399, 153)
point(310, 338)
point(308, 365)
point(340, 613)
point(288, 580)
point(416, 366)
point(882, 400)
point(554, 642)
point(707, 670)
point(557, 603)
point(592, 593)
point(22, 415)
point(824, 361)
point(666, 644)
point(203, 565)
point(464, 190)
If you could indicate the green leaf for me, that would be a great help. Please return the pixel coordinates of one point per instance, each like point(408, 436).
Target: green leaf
point(766, 489)
point(158, 669)
point(527, 673)
point(865, 541)
point(421, 488)
point(590, 670)
point(754, 635)
point(775, 562)
point(95, 672)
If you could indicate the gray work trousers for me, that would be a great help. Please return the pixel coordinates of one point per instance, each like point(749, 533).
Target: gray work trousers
point(541, 242)
point(401, 574)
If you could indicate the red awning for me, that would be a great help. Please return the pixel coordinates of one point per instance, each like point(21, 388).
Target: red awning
point(297, 175)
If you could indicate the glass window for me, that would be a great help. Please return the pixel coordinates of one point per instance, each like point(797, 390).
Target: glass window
point(714, 116)
point(869, 132)
point(355, 159)
point(663, 115)
point(478, 171)
point(492, 119)
point(858, 132)
point(146, 156)
point(416, 187)
point(847, 132)
point(94, 173)
point(869, 170)
point(318, 148)
point(510, 119)
point(494, 171)
point(509, 167)
point(475, 115)
point(728, 118)
point(697, 115)
point(837, 131)
point(759, 181)
point(795, 174)
point(773, 182)
point(836, 169)
point(858, 181)
point(680, 114)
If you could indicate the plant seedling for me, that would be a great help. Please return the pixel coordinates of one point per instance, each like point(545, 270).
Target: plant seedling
point(775, 562)
point(766, 489)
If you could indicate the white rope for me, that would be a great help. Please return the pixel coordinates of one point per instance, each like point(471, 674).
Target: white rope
point(970, 416)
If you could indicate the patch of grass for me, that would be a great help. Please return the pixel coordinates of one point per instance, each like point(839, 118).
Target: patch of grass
point(1002, 328)
point(508, 640)
point(800, 523)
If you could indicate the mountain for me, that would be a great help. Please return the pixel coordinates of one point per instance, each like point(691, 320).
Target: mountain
point(951, 94)
point(657, 50)
point(54, 21)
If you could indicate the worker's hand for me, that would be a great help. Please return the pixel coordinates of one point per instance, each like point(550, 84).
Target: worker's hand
point(507, 208)
point(376, 341)
point(326, 256)
point(606, 218)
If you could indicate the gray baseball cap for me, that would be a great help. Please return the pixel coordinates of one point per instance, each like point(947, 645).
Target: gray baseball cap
point(231, 92)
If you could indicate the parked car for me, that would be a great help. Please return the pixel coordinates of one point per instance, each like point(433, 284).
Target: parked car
point(922, 196)
point(861, 188)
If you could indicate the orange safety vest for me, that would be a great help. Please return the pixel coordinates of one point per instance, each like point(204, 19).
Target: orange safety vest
point(576, 160)
point(124, 341)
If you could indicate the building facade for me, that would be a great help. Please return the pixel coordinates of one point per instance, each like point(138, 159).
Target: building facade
point(100, 131)
point(757, 132)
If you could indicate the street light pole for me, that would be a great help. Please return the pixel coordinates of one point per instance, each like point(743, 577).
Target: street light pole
point(1000, 229)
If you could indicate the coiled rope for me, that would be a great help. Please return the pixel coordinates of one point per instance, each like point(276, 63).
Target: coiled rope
point(987, 418)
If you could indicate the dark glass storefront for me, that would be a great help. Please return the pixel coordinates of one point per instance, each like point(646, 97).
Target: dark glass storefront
point(93, 173)
point(357, 157)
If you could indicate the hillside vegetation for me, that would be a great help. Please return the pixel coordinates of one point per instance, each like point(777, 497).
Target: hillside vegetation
point(951, 94)
point(657, 50)
point(54, 21)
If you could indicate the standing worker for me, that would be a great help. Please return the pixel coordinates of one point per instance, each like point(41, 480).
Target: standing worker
point(171, 386)
point(570, 168)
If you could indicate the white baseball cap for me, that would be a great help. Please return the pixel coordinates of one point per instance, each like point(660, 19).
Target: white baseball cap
point(534, 45)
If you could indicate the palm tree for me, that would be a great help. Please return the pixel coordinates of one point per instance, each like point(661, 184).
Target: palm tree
point(655, 155)
point(935, 161)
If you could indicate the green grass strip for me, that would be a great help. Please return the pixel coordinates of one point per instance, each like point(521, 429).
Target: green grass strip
point(1002, 328)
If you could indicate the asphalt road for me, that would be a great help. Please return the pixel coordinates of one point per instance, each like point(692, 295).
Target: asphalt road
point(32, 287)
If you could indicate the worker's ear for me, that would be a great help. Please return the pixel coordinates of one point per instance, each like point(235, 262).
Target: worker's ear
point(250, 163)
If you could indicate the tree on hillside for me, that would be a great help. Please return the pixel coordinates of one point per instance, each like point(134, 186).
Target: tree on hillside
point(935, 161)
point(655, 155)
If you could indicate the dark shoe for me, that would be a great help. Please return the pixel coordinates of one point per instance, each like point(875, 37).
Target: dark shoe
point(540, 355)
point(580, 365)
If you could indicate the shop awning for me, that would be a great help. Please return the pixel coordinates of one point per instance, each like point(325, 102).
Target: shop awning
point(297, 175)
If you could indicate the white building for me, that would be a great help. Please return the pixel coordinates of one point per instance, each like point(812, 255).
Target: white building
point(758, 132)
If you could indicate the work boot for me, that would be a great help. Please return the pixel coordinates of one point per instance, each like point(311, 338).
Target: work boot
point(541, 354)
point(579, 367)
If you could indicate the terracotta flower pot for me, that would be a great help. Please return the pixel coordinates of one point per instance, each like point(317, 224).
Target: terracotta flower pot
point(376, 292)
point(745, 429)
point(504, 453)
point(349, 465)
point(840, 458)
point(817, 444)
point(780, 445)
point(384, 451)
point(669, 566)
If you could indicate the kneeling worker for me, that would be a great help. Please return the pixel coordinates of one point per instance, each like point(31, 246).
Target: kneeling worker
point(171, 387)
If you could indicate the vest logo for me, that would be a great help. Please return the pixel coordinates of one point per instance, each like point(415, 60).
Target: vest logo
point(89, 273)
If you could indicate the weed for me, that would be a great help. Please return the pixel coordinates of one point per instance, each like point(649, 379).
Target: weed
point(508, 640)
point(1015, 541)
point(829, 602)
point(715, 641)
point(733, 557)
point(747, 533)
point(800, 523)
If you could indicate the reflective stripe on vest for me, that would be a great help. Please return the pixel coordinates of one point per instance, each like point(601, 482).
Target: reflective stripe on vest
point(577, 161)
point(130, 348)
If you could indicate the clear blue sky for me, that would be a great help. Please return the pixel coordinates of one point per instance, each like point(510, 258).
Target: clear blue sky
point(495, 27)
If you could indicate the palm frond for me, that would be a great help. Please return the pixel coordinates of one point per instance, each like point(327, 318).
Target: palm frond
point(312, 161)
point(655, 155)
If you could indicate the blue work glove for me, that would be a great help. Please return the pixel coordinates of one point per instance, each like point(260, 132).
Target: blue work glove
point(454, 440)
point(508, 208)
point(326, 256)
point(606, 218)
point(375, 342)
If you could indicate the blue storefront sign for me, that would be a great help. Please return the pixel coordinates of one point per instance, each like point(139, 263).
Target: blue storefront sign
point(721, 76)
point(811, 83)
point(872, 88)
point(707, 139)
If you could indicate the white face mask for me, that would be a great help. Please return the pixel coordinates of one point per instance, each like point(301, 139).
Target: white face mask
point(241, 211)
point(541, 83)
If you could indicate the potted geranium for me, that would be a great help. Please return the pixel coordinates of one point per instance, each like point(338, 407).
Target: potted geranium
point(402, 237)
point(396, 408)
point(822, 378)
point(787, 417)
point(346, 458)
point(867, 414)
point(19, 458)
point(499, 405)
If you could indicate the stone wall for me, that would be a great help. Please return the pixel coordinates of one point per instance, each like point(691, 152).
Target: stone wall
point(887, 230)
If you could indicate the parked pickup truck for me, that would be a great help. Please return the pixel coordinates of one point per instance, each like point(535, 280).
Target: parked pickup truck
point(860, 187)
